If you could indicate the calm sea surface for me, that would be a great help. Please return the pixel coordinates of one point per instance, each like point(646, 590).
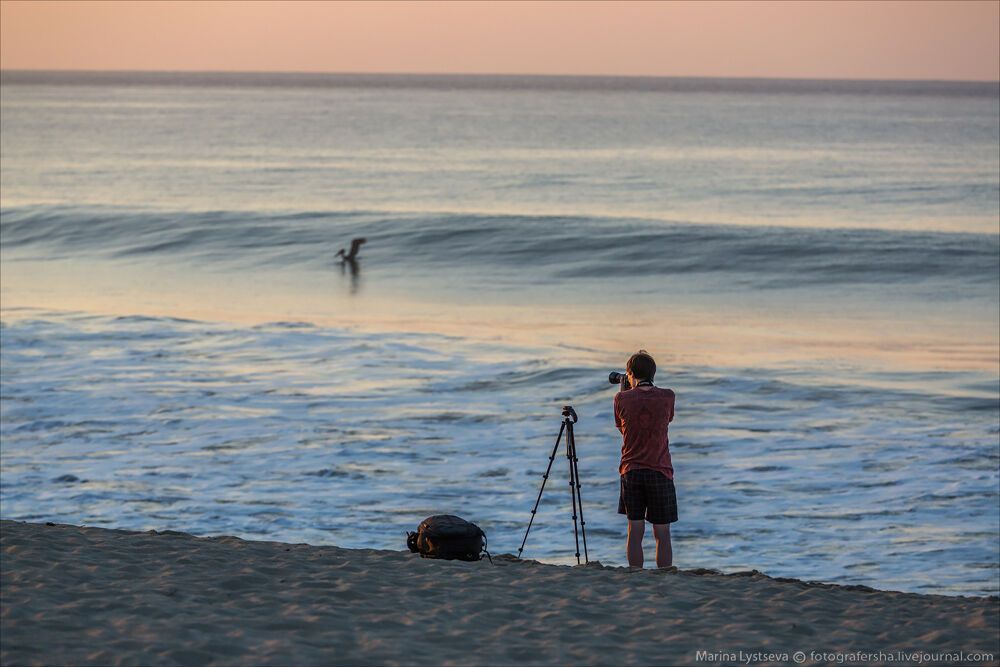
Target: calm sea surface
point(815, 265)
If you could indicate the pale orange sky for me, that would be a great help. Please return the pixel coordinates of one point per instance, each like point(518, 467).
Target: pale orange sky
point(864, 40)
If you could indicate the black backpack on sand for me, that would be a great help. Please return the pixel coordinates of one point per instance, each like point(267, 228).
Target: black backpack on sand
point(449, 537)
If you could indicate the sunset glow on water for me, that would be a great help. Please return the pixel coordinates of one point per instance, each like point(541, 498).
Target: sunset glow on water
point(815, 268)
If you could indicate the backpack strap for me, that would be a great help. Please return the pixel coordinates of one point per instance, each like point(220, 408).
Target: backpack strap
point(486, 543)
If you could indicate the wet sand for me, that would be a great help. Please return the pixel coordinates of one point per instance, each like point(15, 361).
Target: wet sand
point(77, 595)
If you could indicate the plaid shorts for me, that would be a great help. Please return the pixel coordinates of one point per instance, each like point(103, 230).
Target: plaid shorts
point(648, 494)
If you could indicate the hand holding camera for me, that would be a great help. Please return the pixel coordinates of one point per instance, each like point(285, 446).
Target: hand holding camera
point(620, 379)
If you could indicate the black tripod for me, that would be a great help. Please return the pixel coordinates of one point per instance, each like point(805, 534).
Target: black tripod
point(569, 418)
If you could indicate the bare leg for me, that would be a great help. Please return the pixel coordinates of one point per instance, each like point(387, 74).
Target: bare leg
point(633, 546)
point(664, 553)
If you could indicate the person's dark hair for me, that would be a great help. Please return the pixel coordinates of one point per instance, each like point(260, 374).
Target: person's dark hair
point(641, 366)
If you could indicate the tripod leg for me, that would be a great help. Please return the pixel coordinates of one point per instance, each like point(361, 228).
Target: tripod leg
point(545, 478)
point(571, 444)
point(572, 484)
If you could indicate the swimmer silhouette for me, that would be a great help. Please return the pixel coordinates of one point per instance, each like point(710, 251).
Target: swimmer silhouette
point(349, 259)
point(352, 254)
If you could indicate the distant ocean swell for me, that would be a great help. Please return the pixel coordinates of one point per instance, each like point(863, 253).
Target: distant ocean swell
point(447, 82)
point(549, 247)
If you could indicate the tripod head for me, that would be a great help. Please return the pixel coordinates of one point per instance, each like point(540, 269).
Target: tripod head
point(569, 412)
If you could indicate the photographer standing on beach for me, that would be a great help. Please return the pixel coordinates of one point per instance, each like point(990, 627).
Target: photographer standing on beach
point(642, 413)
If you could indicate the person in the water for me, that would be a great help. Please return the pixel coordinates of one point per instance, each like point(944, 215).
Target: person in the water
point(352, 254)
point(349, 261)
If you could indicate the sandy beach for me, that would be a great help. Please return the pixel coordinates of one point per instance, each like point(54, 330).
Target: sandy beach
point(79, 595)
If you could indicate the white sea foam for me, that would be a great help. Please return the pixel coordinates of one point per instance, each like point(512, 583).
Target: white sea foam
point(303, 433)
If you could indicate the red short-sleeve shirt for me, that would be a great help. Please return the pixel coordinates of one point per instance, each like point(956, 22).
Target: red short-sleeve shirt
point(642, 415)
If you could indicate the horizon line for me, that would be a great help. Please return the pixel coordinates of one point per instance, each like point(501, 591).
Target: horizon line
point(537, 75)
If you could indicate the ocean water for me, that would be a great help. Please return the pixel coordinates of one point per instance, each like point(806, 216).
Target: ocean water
point(815, 266)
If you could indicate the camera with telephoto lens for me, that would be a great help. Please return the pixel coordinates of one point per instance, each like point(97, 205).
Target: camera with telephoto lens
point(614, 377)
